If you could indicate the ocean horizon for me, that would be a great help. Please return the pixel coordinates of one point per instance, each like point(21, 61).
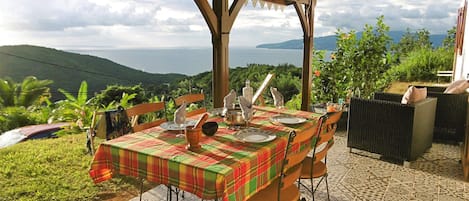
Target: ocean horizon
point(192, 61)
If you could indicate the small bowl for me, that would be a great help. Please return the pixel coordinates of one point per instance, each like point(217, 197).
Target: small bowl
point(209, 128)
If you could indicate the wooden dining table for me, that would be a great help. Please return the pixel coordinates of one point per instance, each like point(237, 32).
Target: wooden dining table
point(224, 167)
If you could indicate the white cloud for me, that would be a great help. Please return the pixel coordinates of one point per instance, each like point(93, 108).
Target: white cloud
point(165, 23)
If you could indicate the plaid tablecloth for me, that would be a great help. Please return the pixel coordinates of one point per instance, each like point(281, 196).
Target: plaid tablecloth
point(224, 168)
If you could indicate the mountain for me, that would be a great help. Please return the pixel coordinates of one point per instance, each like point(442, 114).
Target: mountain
point(329, 42)
point(68, 70)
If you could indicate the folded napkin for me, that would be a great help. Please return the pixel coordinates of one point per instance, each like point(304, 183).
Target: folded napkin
point(229, 102)
point(246, 107)
point(277, 96)
point(180, 114)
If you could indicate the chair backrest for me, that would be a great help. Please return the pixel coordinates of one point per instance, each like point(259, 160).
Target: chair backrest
point(292, 162)
point(145, 108)
point(192, 98)
point(326, 136)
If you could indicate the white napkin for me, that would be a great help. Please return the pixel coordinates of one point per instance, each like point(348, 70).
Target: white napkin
point(246, 107)
point(277, 96)
point(229, 100)
point(180, 114)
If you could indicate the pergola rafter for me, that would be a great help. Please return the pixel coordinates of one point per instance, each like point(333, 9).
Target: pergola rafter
point(220, 18)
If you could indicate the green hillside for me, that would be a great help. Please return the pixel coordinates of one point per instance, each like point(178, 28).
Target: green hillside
point(67, 70)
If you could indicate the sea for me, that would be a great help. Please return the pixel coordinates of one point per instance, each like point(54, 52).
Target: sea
point(192, 61)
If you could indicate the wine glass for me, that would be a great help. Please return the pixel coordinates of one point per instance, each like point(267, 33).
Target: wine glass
point(247, 116)
point(278, 99)
point(181, 124)
point(280, 107)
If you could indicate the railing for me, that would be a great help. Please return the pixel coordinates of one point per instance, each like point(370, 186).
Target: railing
point(444, 73)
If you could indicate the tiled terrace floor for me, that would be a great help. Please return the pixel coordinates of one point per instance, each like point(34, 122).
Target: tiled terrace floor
point(437, 175)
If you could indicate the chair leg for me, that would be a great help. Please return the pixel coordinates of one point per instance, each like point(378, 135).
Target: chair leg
point(327, 188)
point(141, 189)
point(168, 193)
point(312, 188)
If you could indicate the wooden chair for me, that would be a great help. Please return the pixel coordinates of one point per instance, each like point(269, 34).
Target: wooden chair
point(315, 167)
point(145, 108)
point(135, 112)
point(192, 98)
point(284, 188)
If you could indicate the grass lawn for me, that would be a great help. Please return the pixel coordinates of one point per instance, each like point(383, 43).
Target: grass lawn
point(56, 169)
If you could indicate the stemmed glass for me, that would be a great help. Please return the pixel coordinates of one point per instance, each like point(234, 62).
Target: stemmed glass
point(181, 123)
point(278, 99)
point(247, 116)
point(279, 107)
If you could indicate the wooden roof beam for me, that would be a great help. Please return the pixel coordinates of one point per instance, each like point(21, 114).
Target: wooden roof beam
point(234, 11)
point(209, 15)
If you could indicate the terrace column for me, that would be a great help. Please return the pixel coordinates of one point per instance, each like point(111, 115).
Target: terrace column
point(306, 15)
point(220, 20)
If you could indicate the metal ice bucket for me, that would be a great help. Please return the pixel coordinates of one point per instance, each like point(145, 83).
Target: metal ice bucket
point(234, 117)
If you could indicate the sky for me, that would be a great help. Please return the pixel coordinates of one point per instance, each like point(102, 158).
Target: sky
point(109, 24)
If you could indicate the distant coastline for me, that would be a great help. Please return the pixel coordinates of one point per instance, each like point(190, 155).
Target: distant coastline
point(191, 61)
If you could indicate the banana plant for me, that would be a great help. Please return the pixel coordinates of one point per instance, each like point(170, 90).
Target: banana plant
point(76, 109)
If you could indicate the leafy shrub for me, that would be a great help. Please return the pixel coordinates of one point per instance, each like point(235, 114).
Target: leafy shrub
point(357, 63)
point(420, 65)
point(14, 117)
point(113, 94)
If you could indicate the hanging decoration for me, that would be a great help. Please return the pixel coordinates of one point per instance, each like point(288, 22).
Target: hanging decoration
point(267, 3)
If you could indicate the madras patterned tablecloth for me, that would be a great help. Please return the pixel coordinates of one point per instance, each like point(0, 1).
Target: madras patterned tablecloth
point(224, 168)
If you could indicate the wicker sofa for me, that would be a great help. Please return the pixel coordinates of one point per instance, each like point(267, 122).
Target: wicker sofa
point(451, 115)
point(385, 126)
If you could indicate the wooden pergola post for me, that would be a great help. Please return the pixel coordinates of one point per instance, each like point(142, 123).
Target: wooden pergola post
point(306, 15)
point(220, 20)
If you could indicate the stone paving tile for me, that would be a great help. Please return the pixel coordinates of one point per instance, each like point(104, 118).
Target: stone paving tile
point(360, 175)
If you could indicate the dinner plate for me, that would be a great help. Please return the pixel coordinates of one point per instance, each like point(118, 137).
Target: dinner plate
point(288, 120)
point(171, 126)
point(254, 135)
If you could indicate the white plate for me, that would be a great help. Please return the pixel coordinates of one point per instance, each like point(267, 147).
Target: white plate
point(254, 135)
point(169, 125)
point(289, 120)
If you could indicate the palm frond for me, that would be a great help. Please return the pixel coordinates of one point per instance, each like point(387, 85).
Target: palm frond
point(67, 95)
point(82, 95)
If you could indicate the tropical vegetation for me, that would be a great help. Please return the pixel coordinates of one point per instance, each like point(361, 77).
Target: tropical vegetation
point(67, 70)
point(359, 66)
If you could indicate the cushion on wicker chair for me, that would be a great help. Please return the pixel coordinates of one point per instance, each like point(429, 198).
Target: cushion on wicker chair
point(457, 87)
point(413, 95)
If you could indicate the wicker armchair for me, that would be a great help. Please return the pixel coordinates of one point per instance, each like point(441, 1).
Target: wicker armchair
point(451, 115)
point(385, 126)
